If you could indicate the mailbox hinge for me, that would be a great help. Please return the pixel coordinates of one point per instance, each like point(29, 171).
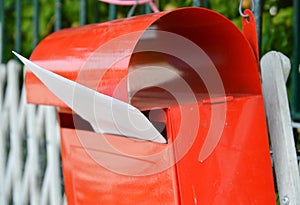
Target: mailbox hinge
point(216, 100)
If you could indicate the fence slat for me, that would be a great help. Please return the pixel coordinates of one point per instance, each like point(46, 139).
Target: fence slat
point(295, 78)
point(3, 134)
point(2, 83)
point(53, 156)
point(15, 158)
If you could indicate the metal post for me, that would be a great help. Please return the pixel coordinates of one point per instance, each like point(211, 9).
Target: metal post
point(112, 13)
point(58, 16)
point(148, 9)
point(295, 78)
point(2, 15)
point(205, 3)
point(82, 12)
point(258, 4)
point(36, 11)
point(96, 11)
point(196, 3)
point(18, 25)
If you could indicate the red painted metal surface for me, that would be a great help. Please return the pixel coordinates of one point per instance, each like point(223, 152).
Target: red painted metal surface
point(235, 173)
point(72, 53)
point(238, 171)
point(249, 30)
point(87, 182)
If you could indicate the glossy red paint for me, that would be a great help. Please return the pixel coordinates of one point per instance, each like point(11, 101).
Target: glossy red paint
point(87, 182)
point(249, 30)
point(77, 54)
point(238, 171)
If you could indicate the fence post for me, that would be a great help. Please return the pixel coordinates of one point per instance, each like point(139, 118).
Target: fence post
point(112, 12)
point(2, 20)
point(36, 14)
point(18, 6)
point(196, 3)
point(82, 12)
point(258, 18)
point(96, 11)
point(58, 18)
point(295, 100)
point(273, 67)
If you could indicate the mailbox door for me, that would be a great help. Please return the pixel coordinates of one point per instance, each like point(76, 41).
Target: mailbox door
point(94, 173)
point(239, 170)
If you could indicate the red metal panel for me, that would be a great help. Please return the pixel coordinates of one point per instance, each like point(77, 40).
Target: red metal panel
point(239, 170)
point(87, 181)
point(77, 54)
point(249, 30)
point(67, 51)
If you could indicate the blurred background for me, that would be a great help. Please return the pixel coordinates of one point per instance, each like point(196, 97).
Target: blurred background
point(26, 22)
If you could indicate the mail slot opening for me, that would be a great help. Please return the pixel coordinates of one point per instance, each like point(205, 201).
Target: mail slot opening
point(72, 121)
point(158, 117)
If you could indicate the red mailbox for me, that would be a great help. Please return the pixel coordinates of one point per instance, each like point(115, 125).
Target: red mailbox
point(196, 77)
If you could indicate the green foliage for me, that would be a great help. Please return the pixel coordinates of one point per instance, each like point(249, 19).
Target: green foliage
point(9, 29)
point(228, 8)
point(277, 29)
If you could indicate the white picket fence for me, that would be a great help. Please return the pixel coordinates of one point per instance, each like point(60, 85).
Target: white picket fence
point(30, 168)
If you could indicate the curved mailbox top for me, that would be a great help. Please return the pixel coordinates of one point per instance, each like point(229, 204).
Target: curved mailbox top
point(149, 60)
